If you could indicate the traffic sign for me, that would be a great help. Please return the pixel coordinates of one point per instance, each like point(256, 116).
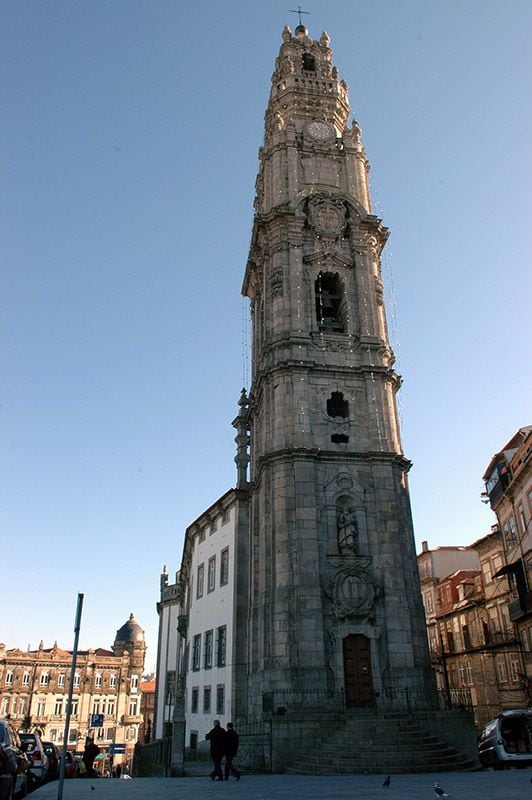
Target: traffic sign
point(96, 720)
point(117, 749)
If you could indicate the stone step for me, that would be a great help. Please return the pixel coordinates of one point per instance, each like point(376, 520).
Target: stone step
point(382, 741)
point(462, 766)
point(365, 744)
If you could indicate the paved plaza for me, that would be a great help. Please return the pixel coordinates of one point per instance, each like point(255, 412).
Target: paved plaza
point(512, 784)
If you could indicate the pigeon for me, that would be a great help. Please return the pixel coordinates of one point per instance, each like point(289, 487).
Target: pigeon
point(387, 781)
point(93, 788)
point(439, 792)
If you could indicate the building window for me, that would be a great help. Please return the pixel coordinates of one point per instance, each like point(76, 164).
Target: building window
point(73, 736)
point(4, 706)
point(502, 672)
point(96, 707)
point(100, 733)
point(211, 574)
point(221, 640)
point(58, 710)
point(98, 681)
point(45, 679)
point(26, 679)
point(202, 535)
point(339, 438)
point(220, 699)
point(486, 572)
point(196, 652)
point(509, 531)
point(77, 679)
point(194, 700)
point(134, 682)
point(466, 636)
point(329, 303)
point(337, 406)
point(41, 708)
point(199, 583)
point(112, 681)
point(308, 62)
point(466, 677)
point(193, 740)
point(224, 566)
point(9, 677)
point(74, 707)
point(133, 706)
point(207, 650)
point(206, 699)
point(225, 516)
point(515, 671)
point(61, 679)
point(110, 708)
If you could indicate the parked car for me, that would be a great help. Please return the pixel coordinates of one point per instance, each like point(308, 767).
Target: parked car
point(54, 759)
point(31, 743)
point(506, 741)
point(14, 764)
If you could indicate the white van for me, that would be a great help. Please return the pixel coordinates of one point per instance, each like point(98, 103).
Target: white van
point(507, 740)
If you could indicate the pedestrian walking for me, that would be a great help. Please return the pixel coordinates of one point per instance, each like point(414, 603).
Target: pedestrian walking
point(216, 737)
point(231, 749)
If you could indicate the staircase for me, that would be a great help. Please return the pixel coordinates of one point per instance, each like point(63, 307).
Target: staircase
point(382, 743)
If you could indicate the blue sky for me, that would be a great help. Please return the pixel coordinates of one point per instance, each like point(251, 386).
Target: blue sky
point(130, 132)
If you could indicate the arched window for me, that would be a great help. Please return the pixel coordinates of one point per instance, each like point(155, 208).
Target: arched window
point(309, 62)
point(337, 406)
point(329, 302)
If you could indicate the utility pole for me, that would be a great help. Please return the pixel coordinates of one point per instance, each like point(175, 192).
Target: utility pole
point(77, 626)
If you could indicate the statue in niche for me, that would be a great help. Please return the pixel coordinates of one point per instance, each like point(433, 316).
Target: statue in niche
point(347, 530)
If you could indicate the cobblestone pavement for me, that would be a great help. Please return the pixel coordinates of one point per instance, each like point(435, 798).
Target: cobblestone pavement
point(511, 784)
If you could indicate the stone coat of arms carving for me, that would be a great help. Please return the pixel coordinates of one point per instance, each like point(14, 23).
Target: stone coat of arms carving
point(353, 592)
point(327, 217)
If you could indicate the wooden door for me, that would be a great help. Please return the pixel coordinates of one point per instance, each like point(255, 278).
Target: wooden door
point(357, 671)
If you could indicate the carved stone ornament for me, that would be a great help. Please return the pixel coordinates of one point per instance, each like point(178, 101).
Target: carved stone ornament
point(327, 217)
point(276, 283)
point(353, 593)
point(336, 345)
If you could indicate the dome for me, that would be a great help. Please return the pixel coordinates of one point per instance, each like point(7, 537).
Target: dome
point(130, 631)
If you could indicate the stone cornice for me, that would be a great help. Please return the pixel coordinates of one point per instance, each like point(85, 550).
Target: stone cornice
point(330, 456)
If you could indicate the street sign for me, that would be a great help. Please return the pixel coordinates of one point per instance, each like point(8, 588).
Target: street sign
point(117, 749)
point(96, 720)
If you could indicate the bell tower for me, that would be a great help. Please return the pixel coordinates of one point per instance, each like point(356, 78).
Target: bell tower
point(330, 613)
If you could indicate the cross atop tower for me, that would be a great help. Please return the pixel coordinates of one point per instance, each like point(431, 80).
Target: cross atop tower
point(299, 11)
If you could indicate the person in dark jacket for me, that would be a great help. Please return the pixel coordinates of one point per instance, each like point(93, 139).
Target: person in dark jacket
point(231, 749)
point(89, 756)
point(216, 737)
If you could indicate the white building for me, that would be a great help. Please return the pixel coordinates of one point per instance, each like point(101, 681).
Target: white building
point(200, 607)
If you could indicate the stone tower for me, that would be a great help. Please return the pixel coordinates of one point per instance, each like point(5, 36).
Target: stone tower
point(329, 611)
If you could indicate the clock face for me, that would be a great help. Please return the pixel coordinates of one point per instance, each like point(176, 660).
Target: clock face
point(320, 131)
